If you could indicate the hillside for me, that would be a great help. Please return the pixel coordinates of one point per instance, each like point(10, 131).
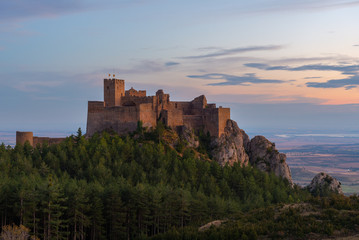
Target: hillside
point(334, 217)
point(145, 184)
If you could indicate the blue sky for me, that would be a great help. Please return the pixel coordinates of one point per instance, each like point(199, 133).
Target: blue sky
point(279, 64)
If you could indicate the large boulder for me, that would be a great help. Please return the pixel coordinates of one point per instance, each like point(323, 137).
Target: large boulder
point(264, 155)
point(324, 184)
point(231, 146)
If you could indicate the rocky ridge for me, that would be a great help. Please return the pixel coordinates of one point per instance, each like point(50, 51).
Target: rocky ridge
point(235, 146)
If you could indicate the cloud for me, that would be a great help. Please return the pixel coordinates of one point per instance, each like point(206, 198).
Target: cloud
point(257, 65)
point(312, 77)
point(34, 81)
point(35, 86)
point(146, 66)
point(23, 9)
point(262, 99)
point(246, 80)
point(232, 51)
point(169, 64)
point(309, 5)
point(347, 83)
point(344, 69)
point(18, 10)
point(349, 87)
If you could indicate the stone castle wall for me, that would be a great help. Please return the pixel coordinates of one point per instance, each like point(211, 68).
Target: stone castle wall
point(48, 140)
point(135, 100)
point(23, 137)
point(121, 119)
point(173, 117)
point(224, 114)
point(133, 92)
point(215, 120)
point(95, 117)
point(147, 115)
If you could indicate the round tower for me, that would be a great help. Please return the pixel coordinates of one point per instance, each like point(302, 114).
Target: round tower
point(22, 137)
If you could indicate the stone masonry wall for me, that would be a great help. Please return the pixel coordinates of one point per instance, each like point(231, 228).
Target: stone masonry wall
point(147, 115)
point(193, 121)
point(121, 119)
point(22, 137)
point(134, 100)
point(210, 121)
point(48, 140)
point(224, 114)
point(95, 117)
point(173, 117)
point(114, 89)
point(133, 92)
point(186, 107)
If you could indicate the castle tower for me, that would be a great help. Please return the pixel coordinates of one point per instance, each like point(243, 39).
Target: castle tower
point(114, 89)
point(22, 137)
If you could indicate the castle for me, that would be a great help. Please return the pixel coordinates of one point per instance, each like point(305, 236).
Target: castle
point(122, 109)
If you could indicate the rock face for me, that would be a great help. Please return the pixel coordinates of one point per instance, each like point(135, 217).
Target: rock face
point(188, 135)
point(207, 226)
point(264, 155)
point(234, 146)
point(323, 184)
point(231, 146)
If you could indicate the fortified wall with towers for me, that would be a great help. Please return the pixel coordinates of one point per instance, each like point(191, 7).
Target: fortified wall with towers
point(122, 109)
point(22, 137)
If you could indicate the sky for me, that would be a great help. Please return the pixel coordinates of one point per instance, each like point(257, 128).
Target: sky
point(281, 65)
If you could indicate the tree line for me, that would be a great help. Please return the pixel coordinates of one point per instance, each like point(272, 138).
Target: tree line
point(126, 187)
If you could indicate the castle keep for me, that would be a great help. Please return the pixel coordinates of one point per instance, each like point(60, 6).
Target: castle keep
point(121, 111)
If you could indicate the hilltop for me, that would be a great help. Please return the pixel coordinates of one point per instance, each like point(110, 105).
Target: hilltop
point(135, 185)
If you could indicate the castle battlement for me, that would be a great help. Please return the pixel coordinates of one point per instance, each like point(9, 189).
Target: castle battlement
point(122, 109)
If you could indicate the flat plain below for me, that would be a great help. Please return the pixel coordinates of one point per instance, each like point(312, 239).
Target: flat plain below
point(309, 154)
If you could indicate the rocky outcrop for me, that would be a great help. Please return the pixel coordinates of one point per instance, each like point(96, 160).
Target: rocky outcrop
point(234, 146)
point(264, 155)
point(187, 134)
point(323, 184)
point(231, 146)
point(207, 226)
